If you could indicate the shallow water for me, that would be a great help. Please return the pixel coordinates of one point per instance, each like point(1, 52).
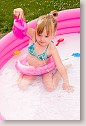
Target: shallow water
point(36, 103)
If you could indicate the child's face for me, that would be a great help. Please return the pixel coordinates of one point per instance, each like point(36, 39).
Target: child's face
point(44, 39)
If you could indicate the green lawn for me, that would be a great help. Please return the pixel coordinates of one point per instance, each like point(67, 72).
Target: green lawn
point(32, 9)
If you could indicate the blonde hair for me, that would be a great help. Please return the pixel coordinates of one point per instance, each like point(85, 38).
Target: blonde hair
point(47, 22)
point(54, 13)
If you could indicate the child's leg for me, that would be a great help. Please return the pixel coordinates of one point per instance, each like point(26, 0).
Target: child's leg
point(51, 81)
point(24, 81)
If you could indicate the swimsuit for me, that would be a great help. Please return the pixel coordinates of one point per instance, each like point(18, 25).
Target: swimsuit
point(42, 56)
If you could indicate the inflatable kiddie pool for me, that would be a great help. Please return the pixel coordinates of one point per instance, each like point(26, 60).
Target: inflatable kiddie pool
point(68, 22)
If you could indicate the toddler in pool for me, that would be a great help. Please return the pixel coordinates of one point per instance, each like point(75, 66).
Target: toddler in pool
point(40, 49)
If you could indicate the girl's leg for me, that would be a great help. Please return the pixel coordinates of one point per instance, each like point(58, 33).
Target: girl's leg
point(24, 81)
point(51, 81)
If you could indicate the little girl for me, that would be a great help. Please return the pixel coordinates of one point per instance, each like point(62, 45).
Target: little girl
point(40, 49)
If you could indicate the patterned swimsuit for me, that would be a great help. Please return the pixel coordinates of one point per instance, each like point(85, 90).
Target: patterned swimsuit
point(43, 56)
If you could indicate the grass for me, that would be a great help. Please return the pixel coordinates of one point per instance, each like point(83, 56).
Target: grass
point(32, 9)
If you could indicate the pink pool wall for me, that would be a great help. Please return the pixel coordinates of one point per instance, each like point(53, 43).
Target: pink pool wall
point(68, 22)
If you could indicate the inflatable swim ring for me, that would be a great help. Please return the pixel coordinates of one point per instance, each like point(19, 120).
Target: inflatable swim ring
point(68, 22)
point(24, 68)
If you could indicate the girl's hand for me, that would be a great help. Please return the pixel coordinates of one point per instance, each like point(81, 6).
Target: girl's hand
point(68, 87)
point(19, 13)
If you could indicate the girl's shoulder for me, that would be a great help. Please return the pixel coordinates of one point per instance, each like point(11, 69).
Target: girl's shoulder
point(51, 45)
point(52, 48)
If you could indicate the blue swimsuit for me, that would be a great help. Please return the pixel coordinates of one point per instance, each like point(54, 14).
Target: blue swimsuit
point(42, 56)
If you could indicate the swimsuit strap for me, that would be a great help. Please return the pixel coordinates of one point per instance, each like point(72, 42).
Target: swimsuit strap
point(52, 41)
point(47, 48)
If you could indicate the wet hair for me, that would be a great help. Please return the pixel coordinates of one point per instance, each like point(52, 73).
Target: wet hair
point(47, 22)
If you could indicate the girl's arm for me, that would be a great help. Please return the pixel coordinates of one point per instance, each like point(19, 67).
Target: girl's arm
point(31, 32)
point(60, 67)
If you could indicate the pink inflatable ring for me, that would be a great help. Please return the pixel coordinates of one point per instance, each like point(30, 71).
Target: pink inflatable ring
point(24, 68)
